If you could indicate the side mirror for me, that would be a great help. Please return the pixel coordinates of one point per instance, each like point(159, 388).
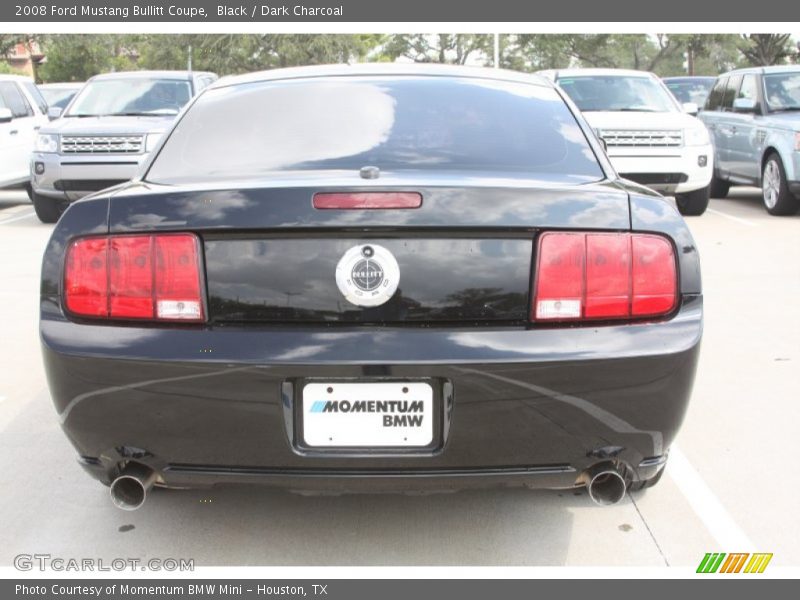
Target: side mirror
point(745, 105)
point(54, 112)
point(691, 108)
point(6, 116)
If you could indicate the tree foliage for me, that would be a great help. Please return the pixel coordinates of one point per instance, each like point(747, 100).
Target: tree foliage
point(664, 54)
point(75, 57)
point(240, 53)
point(762, 49)
point(448, 48)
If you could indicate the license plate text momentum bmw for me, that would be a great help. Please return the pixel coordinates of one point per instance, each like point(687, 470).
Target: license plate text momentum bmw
point(367, 414)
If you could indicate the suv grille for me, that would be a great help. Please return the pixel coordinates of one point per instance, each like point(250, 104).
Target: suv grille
point(642, 137)
point(102, 144)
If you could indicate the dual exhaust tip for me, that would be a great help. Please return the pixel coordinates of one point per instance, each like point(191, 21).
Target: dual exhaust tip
point(605, 482)
point(129, 490)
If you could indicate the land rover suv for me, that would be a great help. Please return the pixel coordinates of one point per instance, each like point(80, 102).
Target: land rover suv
point(650, 137)
point(754, 119)
point(105, 133)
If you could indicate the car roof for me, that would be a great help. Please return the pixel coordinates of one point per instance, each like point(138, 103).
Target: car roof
point(764, 70)
point(381, 69)
point(4, 77)
point(689, 77)
point(182, 75)
point(61, 85)
point(600, 72)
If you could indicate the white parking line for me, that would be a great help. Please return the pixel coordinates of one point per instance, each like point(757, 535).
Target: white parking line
point(706, 505)
point(732, 218)
point(19, 218)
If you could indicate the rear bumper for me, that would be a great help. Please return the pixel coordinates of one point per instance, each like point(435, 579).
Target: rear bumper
point(519, 407)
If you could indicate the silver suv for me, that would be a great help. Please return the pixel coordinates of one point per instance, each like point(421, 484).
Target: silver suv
point(105, 133)
point(754, 119)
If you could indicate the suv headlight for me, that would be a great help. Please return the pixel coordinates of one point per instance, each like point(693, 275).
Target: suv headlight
point(151, 140)
point(696, 136)
point(46, 142)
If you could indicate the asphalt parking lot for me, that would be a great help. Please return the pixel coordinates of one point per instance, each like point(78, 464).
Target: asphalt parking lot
point(730, 484)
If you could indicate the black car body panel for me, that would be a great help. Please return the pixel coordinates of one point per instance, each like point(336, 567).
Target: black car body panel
point(515, 401)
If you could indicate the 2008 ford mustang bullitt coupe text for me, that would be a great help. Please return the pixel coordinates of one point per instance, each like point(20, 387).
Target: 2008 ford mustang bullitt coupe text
point(373, 278)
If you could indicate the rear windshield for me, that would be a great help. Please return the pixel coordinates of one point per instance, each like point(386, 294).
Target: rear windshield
point(130, 97)
point(398, 123)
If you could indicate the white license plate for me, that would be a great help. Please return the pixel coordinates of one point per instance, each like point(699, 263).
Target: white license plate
point(396, 414)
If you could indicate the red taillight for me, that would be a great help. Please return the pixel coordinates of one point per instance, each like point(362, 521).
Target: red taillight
point(596, 276)
point(365, 200)
point(130, 277)
point(86, 282)
point(155, 277)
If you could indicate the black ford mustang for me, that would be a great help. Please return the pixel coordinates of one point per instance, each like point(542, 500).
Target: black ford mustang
point(378, 277)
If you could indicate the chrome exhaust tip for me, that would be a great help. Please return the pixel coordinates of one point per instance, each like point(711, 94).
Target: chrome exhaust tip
point(606, 484)
point(129, 490)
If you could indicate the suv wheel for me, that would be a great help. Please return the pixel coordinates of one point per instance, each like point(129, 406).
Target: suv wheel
point(47, 209)
point(719, 188)
point(693, 203)
point(778, 200)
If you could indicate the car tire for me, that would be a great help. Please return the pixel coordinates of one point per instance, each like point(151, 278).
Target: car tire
point(694, 203)
point(647, 483)
point(47, 209)
point(719, 188)
point(775, 194)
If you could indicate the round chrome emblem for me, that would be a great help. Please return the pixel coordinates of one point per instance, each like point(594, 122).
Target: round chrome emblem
point(367, 275)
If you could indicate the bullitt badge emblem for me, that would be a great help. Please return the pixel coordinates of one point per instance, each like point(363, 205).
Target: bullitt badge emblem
point(367, 275)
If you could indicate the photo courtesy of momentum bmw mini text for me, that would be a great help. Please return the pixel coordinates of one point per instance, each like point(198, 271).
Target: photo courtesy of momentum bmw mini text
point(362, 300)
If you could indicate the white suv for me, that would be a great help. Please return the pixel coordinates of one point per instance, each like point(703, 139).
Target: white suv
point(649, 136)
point(22, 112)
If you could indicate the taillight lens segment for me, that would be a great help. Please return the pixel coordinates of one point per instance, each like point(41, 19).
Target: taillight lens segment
point(151, 277)
point(601, 276)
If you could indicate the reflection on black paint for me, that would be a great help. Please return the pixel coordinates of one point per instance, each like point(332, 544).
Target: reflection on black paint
point(284, 280)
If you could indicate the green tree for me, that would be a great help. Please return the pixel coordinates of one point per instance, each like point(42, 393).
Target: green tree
point(761, 49)
point(558, 51)
point(457, 49)
point(239, 53)
point(76, 57)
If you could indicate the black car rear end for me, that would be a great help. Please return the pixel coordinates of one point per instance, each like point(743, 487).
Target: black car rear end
point(358, 279)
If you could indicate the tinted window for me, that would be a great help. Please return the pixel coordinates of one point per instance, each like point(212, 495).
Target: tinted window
point(694, 89)
point(714, 101)
point(617, 93)
point(424, 123)
point(58, 97)
point(133, 96)
point(11, 97)
point(37, 96)
point(730, 91)
point(783, 91)
point(749, 88)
